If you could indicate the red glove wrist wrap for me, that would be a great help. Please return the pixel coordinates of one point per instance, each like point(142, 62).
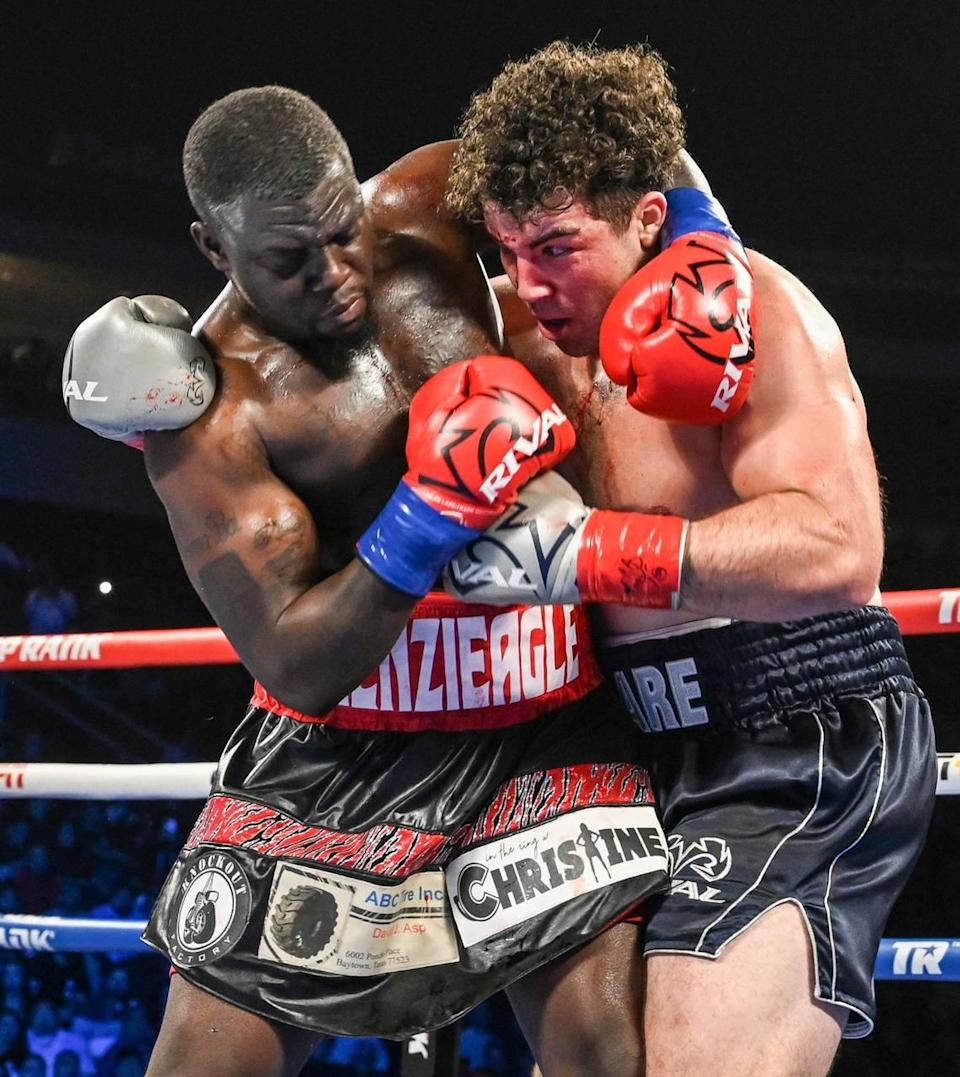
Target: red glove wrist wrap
point(631, 559)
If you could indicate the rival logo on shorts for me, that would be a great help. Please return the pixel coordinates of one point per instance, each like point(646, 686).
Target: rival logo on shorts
point(503, 472)
point(466, 662)
point(340, 926)
point(304, 921)
point(210, 910)
point(707, 857)
point(508, 881)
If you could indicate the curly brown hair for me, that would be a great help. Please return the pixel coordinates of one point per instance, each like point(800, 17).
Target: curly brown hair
point(569, 122)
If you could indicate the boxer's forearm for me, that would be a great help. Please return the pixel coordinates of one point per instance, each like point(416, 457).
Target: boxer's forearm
point(252, 552)
point(313, 645)
point(330, 639)
point(780, 556)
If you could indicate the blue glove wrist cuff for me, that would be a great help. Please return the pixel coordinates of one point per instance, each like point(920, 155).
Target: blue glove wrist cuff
point(410, 543)
point(690, 210)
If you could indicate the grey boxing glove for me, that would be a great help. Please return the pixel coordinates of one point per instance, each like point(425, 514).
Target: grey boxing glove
point(529, 555)
point(133, 366)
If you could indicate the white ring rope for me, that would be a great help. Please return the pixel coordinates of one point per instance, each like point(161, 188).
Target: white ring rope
point(948, 774)
point(107, 781)
point(191, 781)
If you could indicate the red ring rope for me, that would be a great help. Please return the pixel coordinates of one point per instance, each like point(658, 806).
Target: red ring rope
point(918, 613)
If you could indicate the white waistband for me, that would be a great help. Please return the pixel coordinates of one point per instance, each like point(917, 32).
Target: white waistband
point(617, 639)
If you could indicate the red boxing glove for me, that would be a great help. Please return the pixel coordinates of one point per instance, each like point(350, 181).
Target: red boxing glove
point(679, 333)
point(479, 430)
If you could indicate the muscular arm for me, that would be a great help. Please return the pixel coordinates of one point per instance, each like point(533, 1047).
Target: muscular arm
point(807, 536)
point(250, 548)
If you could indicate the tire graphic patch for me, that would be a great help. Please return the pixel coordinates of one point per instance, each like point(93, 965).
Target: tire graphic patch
point(303, 921)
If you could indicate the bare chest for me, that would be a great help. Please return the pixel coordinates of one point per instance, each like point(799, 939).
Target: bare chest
point(628, 461)
point(338, 439)
point(335, 430)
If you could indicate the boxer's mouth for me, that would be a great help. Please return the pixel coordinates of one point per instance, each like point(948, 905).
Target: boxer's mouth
point(347, 311)
point(552, 328)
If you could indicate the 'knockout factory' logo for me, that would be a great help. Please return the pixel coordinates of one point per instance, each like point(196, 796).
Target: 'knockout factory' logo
point(211, 910)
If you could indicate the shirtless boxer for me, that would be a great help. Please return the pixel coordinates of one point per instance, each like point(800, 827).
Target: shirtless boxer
point(339, 309)
point(790, 749)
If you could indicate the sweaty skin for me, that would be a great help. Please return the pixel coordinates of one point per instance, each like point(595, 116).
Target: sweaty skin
point(795, 463)
point(268, 492)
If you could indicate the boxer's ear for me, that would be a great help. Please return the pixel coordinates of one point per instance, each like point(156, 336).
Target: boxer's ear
point(209, 246)
point(648, 216)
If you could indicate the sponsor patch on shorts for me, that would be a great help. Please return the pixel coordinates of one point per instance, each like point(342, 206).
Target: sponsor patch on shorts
point(708, 858)
point(503, 883)
point(328, 923)
point(211, 908)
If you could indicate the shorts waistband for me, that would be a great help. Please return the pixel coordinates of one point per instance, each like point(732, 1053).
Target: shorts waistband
point(460, 666)
point(747, 670)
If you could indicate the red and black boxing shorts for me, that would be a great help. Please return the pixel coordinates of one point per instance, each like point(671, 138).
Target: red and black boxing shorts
point(471, 811)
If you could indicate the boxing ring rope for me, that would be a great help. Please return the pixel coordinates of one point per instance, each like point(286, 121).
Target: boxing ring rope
point(917, 612)
point(113, 781)
point(898, 959)
point(191, 781)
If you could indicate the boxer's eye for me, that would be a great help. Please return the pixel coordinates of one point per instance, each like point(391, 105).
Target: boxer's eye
point(286, 265)
point(552, 251)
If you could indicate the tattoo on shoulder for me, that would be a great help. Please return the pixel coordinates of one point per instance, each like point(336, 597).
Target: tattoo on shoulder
point(228, 585)
point(219, 527)
point(199, 545)
point(286, 566)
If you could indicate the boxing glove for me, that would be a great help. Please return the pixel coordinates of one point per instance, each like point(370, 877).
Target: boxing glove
point(479, 430)
point(133, 366)
point(551, 549)
point(679, 333)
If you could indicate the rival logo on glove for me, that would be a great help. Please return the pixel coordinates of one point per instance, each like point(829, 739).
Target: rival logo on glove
point(509, 465)
point(195, 380)
point(72, 391)
point(716, 278)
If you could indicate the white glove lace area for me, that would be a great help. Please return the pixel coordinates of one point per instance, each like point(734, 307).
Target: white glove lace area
point(529, 555)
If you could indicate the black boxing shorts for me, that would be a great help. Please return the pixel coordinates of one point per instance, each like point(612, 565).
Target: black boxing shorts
point(471, 811)
point(791, 763)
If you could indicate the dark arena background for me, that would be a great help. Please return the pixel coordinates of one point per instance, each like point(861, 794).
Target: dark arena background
point(829, 131)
